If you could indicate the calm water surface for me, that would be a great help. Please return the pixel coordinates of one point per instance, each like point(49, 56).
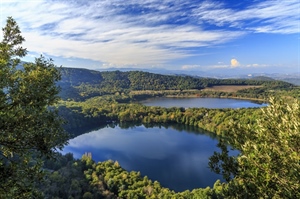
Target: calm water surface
point(178, 159)
point(201, 102)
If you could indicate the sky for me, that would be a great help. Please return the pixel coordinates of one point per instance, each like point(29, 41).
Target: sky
point(195, 35)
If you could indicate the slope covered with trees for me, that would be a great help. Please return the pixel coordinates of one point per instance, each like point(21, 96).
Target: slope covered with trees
point(81, 84)
point(86, 179)
point(101, 110)
point(267, 166)
point(31, 131)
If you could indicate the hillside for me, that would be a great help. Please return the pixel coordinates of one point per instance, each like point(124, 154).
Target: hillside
point(80, 84)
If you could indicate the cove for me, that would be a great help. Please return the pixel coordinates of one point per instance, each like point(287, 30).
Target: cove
point(201, 102)
point(175, 155)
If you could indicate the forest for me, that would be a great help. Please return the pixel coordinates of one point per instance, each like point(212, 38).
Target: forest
point(81, 84)
point(229, 124)
point(122, 106)
point(43, 106)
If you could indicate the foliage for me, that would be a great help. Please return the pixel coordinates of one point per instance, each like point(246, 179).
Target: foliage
point(86, 179)
point(268, 165)
point(81, 84)
point(29, 128)
point(256, 133)
point(101, 110)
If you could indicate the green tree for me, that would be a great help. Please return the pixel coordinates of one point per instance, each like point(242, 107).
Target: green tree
point(269, 162)
point(29, 126)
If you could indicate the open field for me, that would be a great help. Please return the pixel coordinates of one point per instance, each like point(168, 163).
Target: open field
point(229, 88)
point(222, 88)
point(161, 92)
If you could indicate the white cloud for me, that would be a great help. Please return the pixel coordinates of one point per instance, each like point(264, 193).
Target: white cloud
point(97, 31)
point(234, 63)
point(188, 67)
point(270, 16)
point(219, 66)
point(257, 65)
point(105, 31)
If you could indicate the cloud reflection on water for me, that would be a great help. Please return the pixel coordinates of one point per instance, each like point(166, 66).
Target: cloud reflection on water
point(178, 160)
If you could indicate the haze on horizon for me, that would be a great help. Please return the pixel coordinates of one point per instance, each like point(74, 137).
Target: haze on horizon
point(210, 35)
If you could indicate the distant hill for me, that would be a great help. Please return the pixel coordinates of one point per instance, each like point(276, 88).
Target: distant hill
point(263, 78)
point(293, 78)
point(295, 81)
point(83, 83)
point(78, 76)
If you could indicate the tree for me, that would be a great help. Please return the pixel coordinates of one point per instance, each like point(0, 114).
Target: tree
point(269, 162)
point(29, 125)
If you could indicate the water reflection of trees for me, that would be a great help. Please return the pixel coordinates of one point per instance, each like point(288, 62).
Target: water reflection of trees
point(127, 125)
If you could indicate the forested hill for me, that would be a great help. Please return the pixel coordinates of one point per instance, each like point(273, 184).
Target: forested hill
point(83, 82)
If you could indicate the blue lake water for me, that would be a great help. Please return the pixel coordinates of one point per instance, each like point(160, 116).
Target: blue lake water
point(201, 102)
point(178, 159)
point(176, 156)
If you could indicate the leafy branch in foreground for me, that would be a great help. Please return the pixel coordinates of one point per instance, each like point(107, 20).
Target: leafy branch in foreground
point(269, 162)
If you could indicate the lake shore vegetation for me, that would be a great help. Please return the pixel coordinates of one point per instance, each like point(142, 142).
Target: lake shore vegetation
point(266, 166)
point(115, 101)
point(32, 129)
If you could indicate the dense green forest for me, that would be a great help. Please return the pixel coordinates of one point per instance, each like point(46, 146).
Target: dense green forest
point(93, 99)
point(81, 84)
point(35, 124)
point(105, 97)
point(100, 110)
point(70, 178)
point(265, 173)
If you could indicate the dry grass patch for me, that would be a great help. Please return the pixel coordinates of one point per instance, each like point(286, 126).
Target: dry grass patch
point(229, 88)
point(139, 92)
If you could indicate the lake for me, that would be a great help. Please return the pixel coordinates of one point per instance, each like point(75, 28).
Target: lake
point(176, 156)
point(201, 102)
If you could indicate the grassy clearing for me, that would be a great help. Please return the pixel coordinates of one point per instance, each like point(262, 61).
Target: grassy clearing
point(222, 88)
point(229, 88)
point(161, 92)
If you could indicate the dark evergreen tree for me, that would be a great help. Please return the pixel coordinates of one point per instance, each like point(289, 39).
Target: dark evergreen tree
point(29, 126)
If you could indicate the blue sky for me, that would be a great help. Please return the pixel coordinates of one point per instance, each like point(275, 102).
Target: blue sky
point(249, 35)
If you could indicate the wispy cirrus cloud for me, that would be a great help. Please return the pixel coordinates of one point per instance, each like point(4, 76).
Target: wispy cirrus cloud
point(273, 16)
point(135, 32)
